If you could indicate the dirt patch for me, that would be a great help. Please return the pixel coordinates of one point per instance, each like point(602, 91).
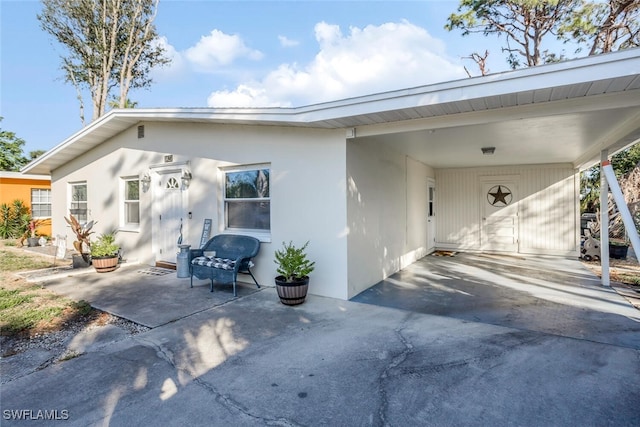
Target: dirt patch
point(622, 271)
point(624, 275)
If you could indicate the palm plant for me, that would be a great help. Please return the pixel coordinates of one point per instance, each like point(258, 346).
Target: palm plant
point(14, 219)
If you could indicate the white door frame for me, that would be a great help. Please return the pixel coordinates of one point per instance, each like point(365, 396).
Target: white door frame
point(431, 214)
point(158, 172)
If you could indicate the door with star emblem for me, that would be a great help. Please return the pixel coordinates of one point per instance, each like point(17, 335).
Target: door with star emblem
point(499, 211)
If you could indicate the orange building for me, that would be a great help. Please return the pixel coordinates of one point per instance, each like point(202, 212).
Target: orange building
point(34, 191)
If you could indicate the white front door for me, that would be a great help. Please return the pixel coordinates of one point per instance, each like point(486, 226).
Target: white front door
point(431, 215)
point(169, 223)
point(499, 222)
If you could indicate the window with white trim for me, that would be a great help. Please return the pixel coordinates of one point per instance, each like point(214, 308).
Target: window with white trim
point(78, 205)
point(41, 203)
point(131, 201)
point(247, 203)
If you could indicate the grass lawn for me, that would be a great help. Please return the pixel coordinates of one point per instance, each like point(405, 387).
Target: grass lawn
point(28, 309)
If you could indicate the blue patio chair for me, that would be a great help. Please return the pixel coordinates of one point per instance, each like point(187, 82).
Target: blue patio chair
point(233, 255)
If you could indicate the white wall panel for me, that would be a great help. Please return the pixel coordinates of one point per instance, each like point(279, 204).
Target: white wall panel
point(548, 207)
point(387, 211)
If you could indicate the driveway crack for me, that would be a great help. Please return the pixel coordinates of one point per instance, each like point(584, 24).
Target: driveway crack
point(225, 400)
point(396, 361)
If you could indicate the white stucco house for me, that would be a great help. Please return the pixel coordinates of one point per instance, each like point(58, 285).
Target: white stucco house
point(374, 183)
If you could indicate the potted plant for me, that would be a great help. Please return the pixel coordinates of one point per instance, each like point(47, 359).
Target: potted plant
point(82, 245)
point(105, 253)
point(618, 248)
point(292, 283)
point(619, 239)
point(31, 234)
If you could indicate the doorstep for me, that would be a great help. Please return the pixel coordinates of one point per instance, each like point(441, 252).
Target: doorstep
point(166, 264)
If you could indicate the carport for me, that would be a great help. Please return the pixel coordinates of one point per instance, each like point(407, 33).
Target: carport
point(496, 160)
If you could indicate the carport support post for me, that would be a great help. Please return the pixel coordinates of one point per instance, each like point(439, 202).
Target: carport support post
point(618, 197)
point(604, 221)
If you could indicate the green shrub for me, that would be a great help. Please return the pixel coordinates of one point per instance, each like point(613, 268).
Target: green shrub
point(292, 262)
point(82, 307)
point(105, 245)
point(14, 219)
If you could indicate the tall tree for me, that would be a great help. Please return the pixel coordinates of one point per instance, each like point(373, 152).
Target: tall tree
point(34, 154)
point(596, 25)
point(623, 164)
point(11, 156)
point(115, 103)
point(109, 44)
point(604, 26)
point(524, 23)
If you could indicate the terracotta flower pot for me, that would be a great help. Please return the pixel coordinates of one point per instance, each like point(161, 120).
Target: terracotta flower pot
point(105, 264)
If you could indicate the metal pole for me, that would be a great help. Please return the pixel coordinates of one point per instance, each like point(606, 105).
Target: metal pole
point(627, 219)
point(604, 221)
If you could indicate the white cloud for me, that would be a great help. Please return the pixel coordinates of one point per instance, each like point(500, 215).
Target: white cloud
point(174, 67)
point(218, 49)
point(368, 60)
point(287, 42)
point(245, 95)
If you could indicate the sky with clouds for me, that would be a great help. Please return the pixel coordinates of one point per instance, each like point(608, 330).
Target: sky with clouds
point(245, 54)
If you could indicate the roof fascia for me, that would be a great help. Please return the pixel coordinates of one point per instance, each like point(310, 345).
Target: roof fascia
point(72, 140)
point(583, 70)
point(20, 175)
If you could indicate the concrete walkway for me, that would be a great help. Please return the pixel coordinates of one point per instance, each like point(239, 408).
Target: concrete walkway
point(149, 296)
point(252, 361)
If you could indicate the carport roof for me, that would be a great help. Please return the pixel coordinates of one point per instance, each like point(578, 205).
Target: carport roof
point(557, 113)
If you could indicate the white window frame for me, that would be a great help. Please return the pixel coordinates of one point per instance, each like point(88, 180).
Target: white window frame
point(124, 225)
point(40, 202)
point(264, 235)
point(86, 202)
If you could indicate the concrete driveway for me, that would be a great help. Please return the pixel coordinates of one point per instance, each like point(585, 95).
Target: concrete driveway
point(544, 294)
point(252, 361)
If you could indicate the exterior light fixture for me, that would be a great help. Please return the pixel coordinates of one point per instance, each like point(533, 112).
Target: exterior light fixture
point(186, 178)
point(146, 179)
point(488, 151)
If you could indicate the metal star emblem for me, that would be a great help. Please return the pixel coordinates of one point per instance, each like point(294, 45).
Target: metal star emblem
point(499, 196)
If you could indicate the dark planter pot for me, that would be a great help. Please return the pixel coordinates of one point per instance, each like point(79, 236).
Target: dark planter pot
point(105, 264)
point(618, 251)
point(81, 261)
point(292, 293)
point(33, 241)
